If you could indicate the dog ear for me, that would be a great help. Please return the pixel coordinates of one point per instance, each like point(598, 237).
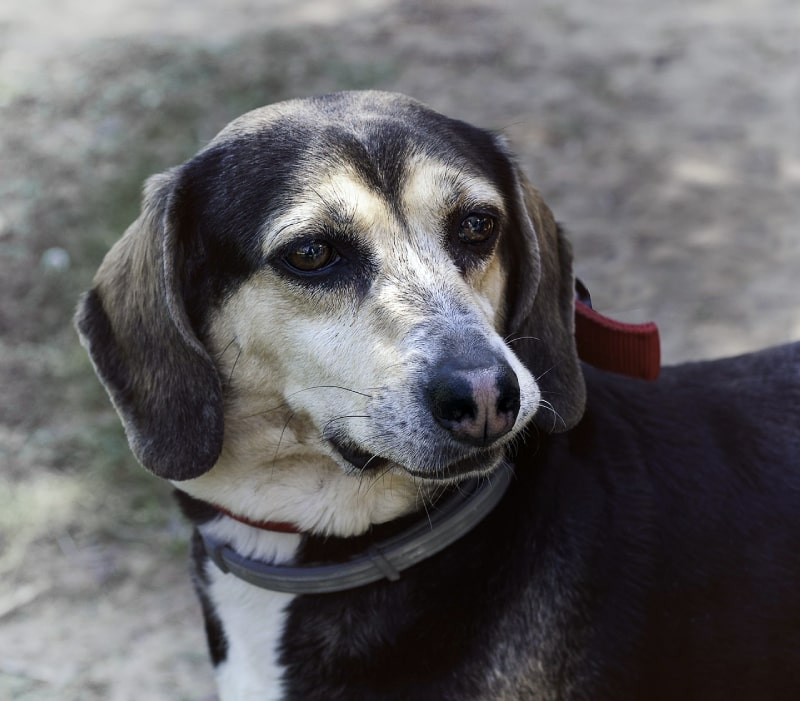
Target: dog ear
point(134, 324)
point(541, 314)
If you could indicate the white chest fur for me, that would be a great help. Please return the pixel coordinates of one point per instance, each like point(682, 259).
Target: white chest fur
point(253, 619)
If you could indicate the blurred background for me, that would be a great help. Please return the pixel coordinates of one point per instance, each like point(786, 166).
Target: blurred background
point(665, 136)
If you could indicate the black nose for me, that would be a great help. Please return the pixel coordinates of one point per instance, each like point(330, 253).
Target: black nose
point(477, 405)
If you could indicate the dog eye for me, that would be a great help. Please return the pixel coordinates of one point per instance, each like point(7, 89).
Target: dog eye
point(311, 256)
point(476, 228)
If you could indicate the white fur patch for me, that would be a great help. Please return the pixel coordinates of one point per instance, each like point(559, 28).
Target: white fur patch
point(253, 619)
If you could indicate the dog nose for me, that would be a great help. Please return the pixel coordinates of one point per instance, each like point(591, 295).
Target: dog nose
point(477, 405)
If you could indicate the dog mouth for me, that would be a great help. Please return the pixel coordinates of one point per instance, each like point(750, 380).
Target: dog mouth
point(480, 462)
point(356, 456)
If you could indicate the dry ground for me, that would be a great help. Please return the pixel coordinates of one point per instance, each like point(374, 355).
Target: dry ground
point(666, 135)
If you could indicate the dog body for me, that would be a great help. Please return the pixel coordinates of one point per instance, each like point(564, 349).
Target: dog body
point(345, 307)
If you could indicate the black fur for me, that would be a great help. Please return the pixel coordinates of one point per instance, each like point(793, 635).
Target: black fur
point(215, 630)
point(199, 512)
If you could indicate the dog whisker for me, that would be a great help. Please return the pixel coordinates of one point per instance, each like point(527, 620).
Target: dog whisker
point(344, 389)
point(374, 457)
point(509, 340)
point(280, 438)
point(221, 354)
point(285, 404)
point(556, 416)
point(326, 425)
point(233, 367)
point(377, 478)
point(421, 495)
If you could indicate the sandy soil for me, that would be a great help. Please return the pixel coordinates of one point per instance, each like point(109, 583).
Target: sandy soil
point(666, 136)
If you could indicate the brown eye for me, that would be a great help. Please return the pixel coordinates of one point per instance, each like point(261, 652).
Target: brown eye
point(476, 228)
point(311, 256)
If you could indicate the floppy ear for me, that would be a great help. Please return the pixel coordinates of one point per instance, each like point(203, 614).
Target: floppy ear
point(134, 324)
point(541, 313)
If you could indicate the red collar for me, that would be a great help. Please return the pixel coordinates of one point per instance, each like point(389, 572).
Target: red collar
point(279, 526)
point(627, 349)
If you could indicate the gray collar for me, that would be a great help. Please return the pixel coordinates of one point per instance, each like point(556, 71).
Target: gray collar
point(441, 526)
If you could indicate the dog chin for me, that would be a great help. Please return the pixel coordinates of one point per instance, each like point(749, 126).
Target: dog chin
point(480, 463)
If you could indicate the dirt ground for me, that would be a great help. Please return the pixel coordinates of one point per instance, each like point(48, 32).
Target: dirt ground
point(666, 136)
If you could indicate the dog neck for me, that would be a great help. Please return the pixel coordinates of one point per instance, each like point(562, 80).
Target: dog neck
point(373, 559)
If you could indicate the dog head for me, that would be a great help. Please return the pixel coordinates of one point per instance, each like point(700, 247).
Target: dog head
point(346, 285)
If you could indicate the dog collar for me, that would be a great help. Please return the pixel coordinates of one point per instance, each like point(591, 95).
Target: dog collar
point(440, 526)
point(277, 526)
point(627, 349)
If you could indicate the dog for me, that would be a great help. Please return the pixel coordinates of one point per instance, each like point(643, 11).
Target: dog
point(345, 332)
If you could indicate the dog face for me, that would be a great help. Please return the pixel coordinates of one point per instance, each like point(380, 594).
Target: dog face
point(331, 290)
